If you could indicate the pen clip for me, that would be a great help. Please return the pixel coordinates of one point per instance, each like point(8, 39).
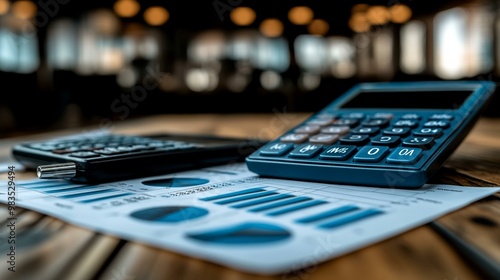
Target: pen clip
point(56, 171)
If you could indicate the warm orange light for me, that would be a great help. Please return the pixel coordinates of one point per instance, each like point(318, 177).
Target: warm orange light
point(4, 7)
point(318, 27)
point(300, 15)
point(126, 8)
point(378, 15)
point(400, 13)
point(271, 27)
point(24, 9)
point(156, 15)
point(242, 16)
point(359, 23)
point(359, 8)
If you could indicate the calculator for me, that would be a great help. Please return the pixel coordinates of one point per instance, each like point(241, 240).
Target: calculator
point(100, 158)
point(386, 134)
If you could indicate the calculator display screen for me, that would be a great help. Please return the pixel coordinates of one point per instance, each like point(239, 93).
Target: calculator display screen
point(408, 99)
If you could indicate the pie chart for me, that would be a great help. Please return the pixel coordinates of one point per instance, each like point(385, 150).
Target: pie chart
point(169, 214)
point(175, 182)
point(244, 233)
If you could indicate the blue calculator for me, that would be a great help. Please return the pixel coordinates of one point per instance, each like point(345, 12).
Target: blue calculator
point(387, 134)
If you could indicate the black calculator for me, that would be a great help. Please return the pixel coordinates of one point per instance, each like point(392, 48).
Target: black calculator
point(386, 134)
point(100, 158)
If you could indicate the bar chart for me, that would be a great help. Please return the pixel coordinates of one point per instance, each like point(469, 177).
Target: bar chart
point(76, 193)
point(272, 203)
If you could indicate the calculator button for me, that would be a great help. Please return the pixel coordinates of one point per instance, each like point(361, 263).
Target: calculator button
point(442, 124)
point(157, 144)
point(404, 155)
point(43, 147)
point(106, 152)
point(306, 150)
point(385, 140)
point(276, 149)
point(357, 116)
point(346, 122)
point(428, 131)
point(308, 129)
point(66, 150)
point(141, 147)
point(371, 153)
point(384, 116)
point(86, 148)
point(420, 142)
point(295, 138)
point(365, 130)
point(375, 122)
point(355, 139)
point(320, 122)
point(124, 149)
point(410, 117)
point(109, 151)
point(325, 116)
point(84, 155)
point(399, 131)
point(405, 123)
point(341, 152)
point(340, 130)
point(445, 117)
point(325, 139)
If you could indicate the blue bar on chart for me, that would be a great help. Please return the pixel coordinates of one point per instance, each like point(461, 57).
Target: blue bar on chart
point(262, 200)
point(75, 195)
point(280, 204)
point(296, 207)
point(43, 183)
point(354, 217)
point(104, 198)
point(68, 189)
point(328, 214)
point(232, 194)
point(245, 197)
point(49, 186)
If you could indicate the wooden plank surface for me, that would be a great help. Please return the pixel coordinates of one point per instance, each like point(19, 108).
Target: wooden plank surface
point(55, 250)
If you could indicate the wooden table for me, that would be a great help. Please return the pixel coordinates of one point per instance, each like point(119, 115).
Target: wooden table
point(52, 249)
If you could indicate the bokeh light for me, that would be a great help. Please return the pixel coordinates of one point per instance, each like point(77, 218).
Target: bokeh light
point(378, 15)
point(126, 8)
point(4, 7)
point(271, 27)
point(242, 16)
point(300, 15)
point(359, 23)
point(400, 13)
point(318, 27)
point(156, 15)
point(24, 9)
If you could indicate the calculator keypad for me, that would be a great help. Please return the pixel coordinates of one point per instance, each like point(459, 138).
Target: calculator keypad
point(380, 138)
point(110, 145)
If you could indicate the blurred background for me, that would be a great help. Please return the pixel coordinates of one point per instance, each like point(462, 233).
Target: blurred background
point(66, 63)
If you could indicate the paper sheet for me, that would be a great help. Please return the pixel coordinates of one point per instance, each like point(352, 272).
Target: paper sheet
point(230, 216)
